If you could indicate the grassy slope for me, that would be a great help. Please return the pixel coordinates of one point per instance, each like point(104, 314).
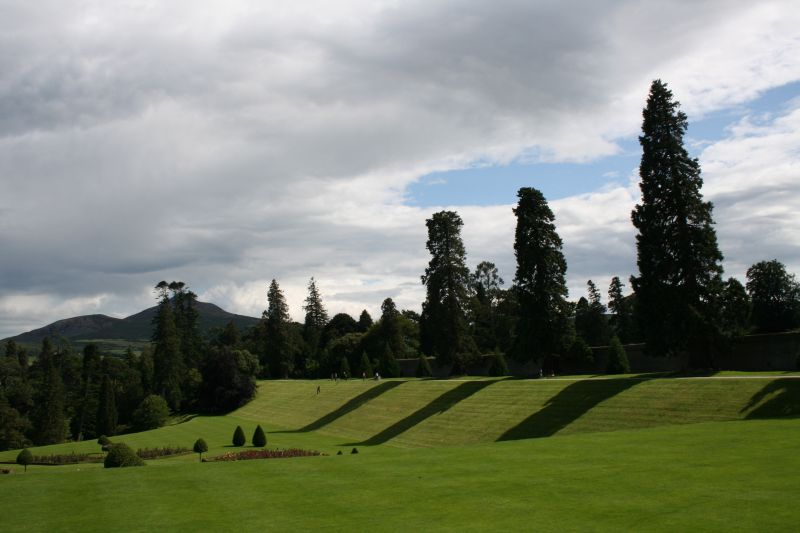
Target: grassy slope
point(703, 477)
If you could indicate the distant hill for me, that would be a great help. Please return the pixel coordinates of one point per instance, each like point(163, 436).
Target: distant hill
point(134, 329)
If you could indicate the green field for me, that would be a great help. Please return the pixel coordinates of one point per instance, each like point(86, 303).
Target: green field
point(632, 454)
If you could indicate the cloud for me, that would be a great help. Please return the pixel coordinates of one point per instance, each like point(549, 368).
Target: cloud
point(227, 143)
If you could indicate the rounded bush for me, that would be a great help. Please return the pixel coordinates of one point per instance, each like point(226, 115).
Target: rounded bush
point(151, 413)
point(259, 438)
point(103, 440)
point(200, 447)
point(238, 436)
point(121, 455)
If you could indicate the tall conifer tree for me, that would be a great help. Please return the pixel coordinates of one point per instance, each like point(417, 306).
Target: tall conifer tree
point(275, 323)
point(678, 258)
point(540, 283)
point(169, 368)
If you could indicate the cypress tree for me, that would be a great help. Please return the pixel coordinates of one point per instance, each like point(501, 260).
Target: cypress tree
point(540, 284)
point(259, 437)
point(238, 436)
point(677, 254)
point(443, 324)
point(49, 417)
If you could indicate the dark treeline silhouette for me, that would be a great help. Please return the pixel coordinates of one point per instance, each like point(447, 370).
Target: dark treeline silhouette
point(679, 306)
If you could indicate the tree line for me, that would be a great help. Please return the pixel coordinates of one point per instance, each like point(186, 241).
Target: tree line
point(679, 305)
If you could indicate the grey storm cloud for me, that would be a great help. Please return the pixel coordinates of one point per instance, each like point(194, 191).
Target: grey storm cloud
point(227, 143)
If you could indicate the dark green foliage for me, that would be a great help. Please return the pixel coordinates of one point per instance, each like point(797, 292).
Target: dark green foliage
point(388, 366)
point(200, 447)
point(49, 418)
point(498, 365)
point(315, 320)
point(617, 358)
point(339, 452)
point(259, 437)
point(443, 324)
point(166, 451)
point(12, 426)
point(389, 327)
point(775, 297)
point(278, 355)
point(347, 347)
point(169, 368)
point(107, 408)
point(540, 285)
point(84, 425)
point(486, 283)
point(103, 440)
point(735, 308)
point(580, 352)
point(354, 450)
point(677, 253)
point(364, 321)
point(152, 413)
point(590, 319)
point(364, 365)
point(238, 436)
point(228, 379)
point(340, 325)
point(120, 455)
point(344, 368)
point(229, 336)
point(24, 458)
point(424, 367)
point(623, 323)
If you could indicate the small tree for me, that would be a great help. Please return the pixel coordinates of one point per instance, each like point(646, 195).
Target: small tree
point(151, 413)
point(238, 436)
point(200, 447)
point(259, 438)
point(120, 455)
point(24, 458)
point(424, 367)
point(617, 358)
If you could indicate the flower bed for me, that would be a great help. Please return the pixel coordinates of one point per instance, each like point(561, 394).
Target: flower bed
point(265, 454)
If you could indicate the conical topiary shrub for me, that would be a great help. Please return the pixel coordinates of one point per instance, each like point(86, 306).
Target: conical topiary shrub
point(238, 436)
point(617, 358)
point(259, 438)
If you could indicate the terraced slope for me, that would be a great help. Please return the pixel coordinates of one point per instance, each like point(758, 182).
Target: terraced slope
point(434, 413)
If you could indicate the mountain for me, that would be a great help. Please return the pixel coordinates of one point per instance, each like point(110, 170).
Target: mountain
point(133, 329)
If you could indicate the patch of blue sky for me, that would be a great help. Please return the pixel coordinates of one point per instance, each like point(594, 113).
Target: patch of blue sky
point(498, 184)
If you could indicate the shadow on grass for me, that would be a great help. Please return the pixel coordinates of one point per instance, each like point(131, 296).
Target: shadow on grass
point(779, 398)
point(436, 406)
point(567, 406)
point(347, 407)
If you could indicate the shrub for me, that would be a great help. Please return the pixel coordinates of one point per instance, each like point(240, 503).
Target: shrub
point(24, 458)
point(121, 455)
point(365, 366)
point(498, 366)
point(266, 454)
point(151, 413)
point(259, 438)
point(200, 447)
point(424, 367)
point(103, 440)
point(238, 436)
point(65, 459)
point(580, 352)
point(339, 452)
point(617, 358)
point(166, 451)
point(354, 450)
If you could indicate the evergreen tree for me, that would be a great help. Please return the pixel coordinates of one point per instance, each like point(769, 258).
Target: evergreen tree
point(424, 367)
point(344, 368)
point(364, 321)
point(390, 327)
point(389, 368)
point(623, 323)
point(238, 436)
point(229, 336)
point(187, 318)
point(735, 308)
point(200, 447)
point(49, 417)
point(486, 283)
point(24, 458)
point(540, 287)
point(315, 320)
point(12, 426)
point(443, 325)
point(617, 358)
point(169, 368)
point(678, 258)
point(107, 408)
point(259, 437)
point(590, 319)
point(365, 366)
point(278, 357)
point(775, 296)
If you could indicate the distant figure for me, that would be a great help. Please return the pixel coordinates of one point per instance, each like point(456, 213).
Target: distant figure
point(363, 376)
point(317, 389)
point(541, 374)
point(336, 377)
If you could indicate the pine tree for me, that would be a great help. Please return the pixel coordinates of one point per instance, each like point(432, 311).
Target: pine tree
point(443, 324)
point(259, 437)
point(390, 327)
point(49, 417)
point(365, 366)
point(85, 424)
point(169, 369)
point(623, 323)
point(540, 284)
point(486, 283)
point(678, 258)
point(364, 321)
point(315, 320)
point(389, 368)
point(590, 319)
point(275, 322)
point(617, 358)
point(238, 436)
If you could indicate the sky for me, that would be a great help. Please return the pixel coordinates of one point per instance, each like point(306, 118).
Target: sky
point(227, 143)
